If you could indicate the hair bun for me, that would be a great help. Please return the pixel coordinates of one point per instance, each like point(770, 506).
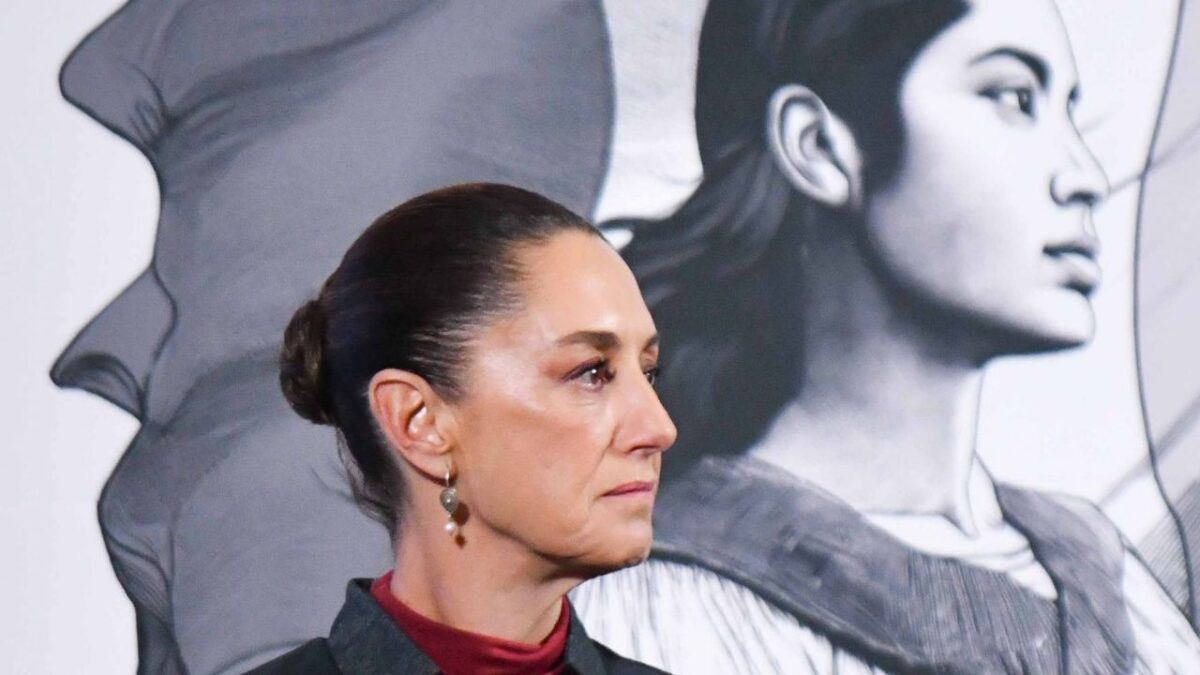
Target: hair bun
point(302, 364)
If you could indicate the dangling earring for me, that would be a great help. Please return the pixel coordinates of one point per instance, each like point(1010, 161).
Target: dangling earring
point(449, 499)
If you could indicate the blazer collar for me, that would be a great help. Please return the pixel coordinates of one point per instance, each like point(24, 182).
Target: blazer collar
point(364, 639)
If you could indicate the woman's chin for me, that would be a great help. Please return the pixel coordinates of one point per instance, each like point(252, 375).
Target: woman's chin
point(605, 547)
point(629, 546)
point(1074, 326)
point(1066, 323)
point(628, 561)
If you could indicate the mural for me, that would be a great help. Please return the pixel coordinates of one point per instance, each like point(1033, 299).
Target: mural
point(918, 432)
point(277, 130)
point(1168, 323)
point(919, 205)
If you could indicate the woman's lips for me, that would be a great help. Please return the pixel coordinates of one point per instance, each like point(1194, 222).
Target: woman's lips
point(633, 488)
point(1076, 260)
point(1082, 272)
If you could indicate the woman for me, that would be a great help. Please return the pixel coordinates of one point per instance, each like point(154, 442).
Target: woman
point(488, 362)
point(919, 204)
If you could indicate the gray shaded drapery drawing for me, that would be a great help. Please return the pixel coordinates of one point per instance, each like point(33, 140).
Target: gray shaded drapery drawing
point(277, 131)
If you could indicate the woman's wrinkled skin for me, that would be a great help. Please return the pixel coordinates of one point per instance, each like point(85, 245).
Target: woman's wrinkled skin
point(555, 446)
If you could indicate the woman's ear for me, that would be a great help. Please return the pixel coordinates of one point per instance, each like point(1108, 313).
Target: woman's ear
point(413, 419)
point(813, 148)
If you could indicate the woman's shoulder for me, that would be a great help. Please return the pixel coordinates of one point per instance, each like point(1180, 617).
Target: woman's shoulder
point(311, 658)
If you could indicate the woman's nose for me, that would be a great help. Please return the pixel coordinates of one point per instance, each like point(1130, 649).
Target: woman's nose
point(648, 424)
point(1081, 180)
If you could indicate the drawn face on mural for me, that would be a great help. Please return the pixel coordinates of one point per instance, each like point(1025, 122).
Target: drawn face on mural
point(989, 214)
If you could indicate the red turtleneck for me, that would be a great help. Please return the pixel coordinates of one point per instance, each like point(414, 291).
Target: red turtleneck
point(458, 652)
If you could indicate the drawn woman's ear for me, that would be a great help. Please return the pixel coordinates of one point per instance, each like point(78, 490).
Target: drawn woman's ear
point(813, 148)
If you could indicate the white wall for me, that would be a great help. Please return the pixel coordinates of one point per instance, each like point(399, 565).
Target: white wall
point(77, 214)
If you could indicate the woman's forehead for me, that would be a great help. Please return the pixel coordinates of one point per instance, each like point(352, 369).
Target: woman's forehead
point(1031, 30)
point(576, 284)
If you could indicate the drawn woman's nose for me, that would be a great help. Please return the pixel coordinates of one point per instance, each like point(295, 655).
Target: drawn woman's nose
point(1081, 180)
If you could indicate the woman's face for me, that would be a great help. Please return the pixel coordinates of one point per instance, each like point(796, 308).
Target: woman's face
point(989, 214)
point(561, 431)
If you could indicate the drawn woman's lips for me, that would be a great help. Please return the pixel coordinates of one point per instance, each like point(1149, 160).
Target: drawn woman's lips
point(1078, 263)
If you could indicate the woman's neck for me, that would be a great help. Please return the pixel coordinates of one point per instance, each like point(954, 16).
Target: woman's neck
point(899, 443)
point(483, 584)
point(886, 414)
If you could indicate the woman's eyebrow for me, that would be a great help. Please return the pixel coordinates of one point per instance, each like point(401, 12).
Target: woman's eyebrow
point(601, 340)
point(1033, 62)
point(652, 343)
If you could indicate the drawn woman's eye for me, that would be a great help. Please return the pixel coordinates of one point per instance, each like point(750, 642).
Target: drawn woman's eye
point(1017, 99)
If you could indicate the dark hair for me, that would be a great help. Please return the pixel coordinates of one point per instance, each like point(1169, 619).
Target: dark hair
point(723, 273)
point(410, 293)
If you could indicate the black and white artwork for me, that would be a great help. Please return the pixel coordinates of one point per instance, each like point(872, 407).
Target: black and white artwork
point(897, 198)
point(924, 270)
point(277, 131)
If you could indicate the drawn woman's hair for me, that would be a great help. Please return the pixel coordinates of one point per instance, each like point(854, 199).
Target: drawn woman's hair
point(722, 274)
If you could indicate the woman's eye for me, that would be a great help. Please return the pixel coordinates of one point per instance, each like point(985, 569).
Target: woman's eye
point(652, 375)
point(596, 375)
point(1017, 99)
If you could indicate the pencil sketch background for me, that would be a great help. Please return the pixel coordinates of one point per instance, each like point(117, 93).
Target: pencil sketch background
point(1085, 403)
point(1105, 422)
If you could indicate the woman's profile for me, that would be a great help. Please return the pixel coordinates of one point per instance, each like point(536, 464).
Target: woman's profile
point(488, 363)
point(895, 194)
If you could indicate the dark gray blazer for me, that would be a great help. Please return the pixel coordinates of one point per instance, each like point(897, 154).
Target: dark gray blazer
point(365, 640)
